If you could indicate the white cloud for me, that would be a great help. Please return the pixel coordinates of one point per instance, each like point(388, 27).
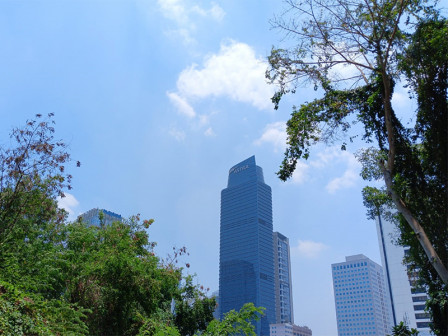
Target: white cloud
point(185, 16)
point(300, 174)
point(345, 181)
point(401, 100)
point(182, 105)
point(69, 203)
point(175, 10)
point(177, 134)
point(351, 173)
point(209, 132)
point(215, 12)
point(274, 134)
point(181, 34)
point(308, 249)
point(328, 160)
point(234, 72)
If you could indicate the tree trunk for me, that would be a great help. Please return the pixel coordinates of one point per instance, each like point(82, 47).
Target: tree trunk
point(416, 227)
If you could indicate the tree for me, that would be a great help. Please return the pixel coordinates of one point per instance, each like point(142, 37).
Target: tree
point(402, 329)
point(32, 175)
point(378, 42)
point(236, 323)
point(60, 278)
point(193, 309)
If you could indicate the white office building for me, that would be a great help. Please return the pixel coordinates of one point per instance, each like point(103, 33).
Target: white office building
point(361, 299)
point(408, 303)
point(289, 329)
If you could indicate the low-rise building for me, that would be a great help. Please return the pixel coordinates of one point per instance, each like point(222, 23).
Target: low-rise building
point(289, 329)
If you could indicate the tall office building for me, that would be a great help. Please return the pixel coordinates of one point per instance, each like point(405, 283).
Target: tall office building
point(246, 260)
point(282, 277)
point(92, 217)
point(361, 299)
point(408, 303)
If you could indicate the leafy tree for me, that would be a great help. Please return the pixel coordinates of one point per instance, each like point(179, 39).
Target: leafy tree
point(193, 310)
point(236, 323)
point(59, 278)
point(113, 272)
point(32, 175)
point(378, 42)
point(402, 329)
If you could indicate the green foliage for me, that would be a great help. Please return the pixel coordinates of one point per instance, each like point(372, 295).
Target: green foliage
point(32, 174)
point(323, 120)
point(403, 330)
point(24, 313)
point(193, 310)
point(112, 271)
point(59, 278)
point(236, 323)
point(383, 41)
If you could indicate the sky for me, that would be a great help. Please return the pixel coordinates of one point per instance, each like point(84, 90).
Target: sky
point(158, 99)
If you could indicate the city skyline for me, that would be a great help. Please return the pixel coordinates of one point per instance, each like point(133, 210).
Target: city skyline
point(157, 99)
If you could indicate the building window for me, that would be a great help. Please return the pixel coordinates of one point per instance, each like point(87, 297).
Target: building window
point(422, 324)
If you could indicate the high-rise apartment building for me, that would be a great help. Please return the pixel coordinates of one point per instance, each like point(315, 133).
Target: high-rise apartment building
point(282, 277)
point(246, 260)
point(361, 298)
point(92, 217)
point(408, 302)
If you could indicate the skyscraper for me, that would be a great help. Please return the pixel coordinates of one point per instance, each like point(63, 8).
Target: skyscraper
point(282, 276)
point(246, 260)
point(408, 303)
point(361, 299)
point(92, 217)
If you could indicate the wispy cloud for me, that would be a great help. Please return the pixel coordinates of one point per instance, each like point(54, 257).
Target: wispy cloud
point(177, 134)
point(185, 15)
point(300, 174)
point(351, 173)
point(308, 249)
point(70, 204)
point(274, 134)
point(326, 161)
point(347, 180)
point(209, 132)
point(181, 104)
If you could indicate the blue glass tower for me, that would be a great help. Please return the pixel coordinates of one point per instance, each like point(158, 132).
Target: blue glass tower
point(246, 260)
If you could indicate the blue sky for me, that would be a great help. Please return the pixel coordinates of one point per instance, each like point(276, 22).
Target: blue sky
point(158, 99)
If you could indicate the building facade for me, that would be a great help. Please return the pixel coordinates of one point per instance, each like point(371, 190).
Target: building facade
point(282, 280)
point(361, 299)
point(92, 217)
point(246, 260)
point(408, 302)
point(288, 329)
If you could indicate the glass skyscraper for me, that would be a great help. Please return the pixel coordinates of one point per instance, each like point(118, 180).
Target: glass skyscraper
point(92, 217)
point(283, 282)
point(246, 260)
